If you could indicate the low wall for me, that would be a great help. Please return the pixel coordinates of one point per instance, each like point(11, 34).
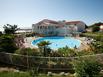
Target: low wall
point(43, 63)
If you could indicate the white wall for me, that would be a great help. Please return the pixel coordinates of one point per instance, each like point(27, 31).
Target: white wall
point(81, 26)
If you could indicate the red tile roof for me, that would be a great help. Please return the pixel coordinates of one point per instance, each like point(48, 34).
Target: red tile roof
point(47, 21)
point(73, 22)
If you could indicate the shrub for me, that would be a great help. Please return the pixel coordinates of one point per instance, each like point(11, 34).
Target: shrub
point(7, 43)
point(28, 51)
point(29, 34)
point(84, 52)
point(65, 51)
point(87, 67)
point(0, 33)
point(34, 72)
point(97, 47)
point(55, 54)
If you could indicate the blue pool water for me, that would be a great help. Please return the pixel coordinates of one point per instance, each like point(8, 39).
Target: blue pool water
point(59, 42)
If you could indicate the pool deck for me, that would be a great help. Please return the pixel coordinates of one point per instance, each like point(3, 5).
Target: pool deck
point(84, 44)
point(28, 41)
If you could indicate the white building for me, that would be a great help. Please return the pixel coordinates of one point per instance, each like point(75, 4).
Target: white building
point(24, 30)
point(101, 27)
point(50, 27)
point(1, 29)
point(78, 26)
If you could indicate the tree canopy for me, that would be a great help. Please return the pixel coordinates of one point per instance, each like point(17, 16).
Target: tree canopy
point(10, 29)
point(96, 26)
point(43, 46)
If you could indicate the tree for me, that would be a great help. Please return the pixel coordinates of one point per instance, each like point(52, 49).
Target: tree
point(43, 45)
point(96, 27)
point(10, 29)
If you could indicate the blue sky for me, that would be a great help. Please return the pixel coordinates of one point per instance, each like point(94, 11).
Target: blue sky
point(26, 12)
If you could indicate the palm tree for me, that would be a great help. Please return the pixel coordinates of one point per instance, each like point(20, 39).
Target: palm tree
point(43, 45)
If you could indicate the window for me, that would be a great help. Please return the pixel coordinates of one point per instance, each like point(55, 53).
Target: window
point(38, 27)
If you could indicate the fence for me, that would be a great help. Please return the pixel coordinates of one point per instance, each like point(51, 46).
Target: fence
point(43, 63)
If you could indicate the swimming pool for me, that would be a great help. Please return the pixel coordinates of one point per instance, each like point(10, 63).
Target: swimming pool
point(59, 42)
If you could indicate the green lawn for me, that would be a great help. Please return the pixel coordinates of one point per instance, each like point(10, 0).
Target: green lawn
point(26, 74)
point(14, 74)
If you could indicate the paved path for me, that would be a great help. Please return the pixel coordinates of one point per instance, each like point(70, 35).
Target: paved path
point(84, 45)
point(2, 69)
point(28, 41)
